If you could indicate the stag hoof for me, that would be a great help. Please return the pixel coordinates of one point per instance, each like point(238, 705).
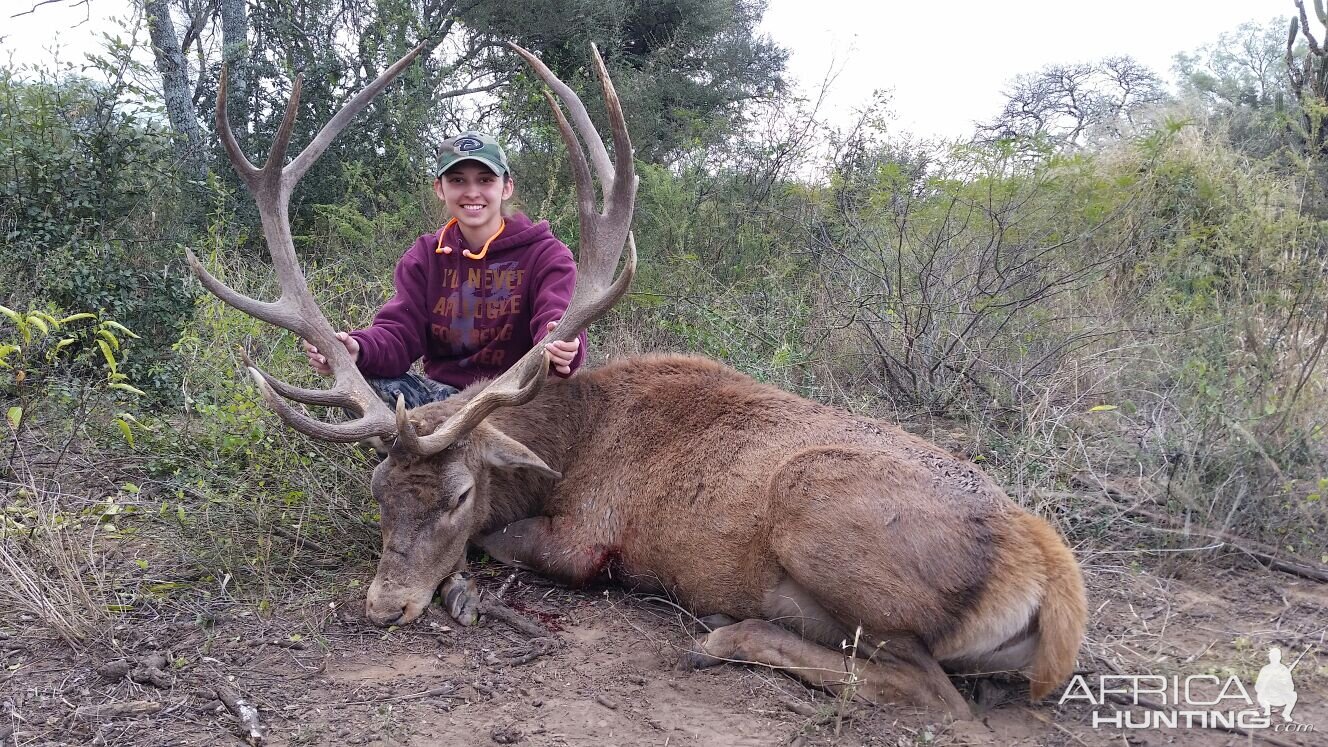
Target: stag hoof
point(461, 598)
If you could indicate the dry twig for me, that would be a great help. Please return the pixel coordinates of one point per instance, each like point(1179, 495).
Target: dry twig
point(1265, 554)
point(116, 710)
point(537, 648)
point(244, 712)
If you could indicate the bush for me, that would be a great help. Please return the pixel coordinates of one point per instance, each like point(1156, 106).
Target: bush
point(90, 208)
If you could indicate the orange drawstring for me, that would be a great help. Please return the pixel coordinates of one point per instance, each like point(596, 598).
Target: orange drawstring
point(484, 251)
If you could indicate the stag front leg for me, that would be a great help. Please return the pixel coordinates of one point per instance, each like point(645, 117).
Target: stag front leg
point(551, 547)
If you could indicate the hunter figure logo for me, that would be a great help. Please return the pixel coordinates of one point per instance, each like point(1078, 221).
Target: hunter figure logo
point(1154, 701)
point(466, 144)
point(1274, 688)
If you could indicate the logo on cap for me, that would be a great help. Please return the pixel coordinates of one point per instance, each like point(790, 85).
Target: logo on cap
point(466, 144)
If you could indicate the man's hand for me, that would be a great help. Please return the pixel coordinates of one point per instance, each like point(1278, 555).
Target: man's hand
point(561, 353)
point(319, 361)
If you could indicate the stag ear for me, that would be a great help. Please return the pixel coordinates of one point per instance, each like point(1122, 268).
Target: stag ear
point(504, 452)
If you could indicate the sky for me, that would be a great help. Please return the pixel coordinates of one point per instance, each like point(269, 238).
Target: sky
point(946, 62)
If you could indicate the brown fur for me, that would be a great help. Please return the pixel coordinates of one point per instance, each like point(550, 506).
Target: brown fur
point(686, 477)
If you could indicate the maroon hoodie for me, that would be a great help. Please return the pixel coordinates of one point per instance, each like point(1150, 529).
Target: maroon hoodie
point(471, 318)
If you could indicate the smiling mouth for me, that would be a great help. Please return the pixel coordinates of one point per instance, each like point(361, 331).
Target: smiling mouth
point(473, 208)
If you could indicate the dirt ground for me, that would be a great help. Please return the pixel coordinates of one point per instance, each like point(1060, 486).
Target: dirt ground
point(607, 673)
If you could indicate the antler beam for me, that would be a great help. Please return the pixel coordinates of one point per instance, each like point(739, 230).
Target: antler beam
point(295, 309)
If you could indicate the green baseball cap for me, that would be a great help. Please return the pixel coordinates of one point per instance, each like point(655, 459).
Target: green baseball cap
point(471, 146)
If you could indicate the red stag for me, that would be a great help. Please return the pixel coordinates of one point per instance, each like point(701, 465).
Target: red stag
point(806, 525)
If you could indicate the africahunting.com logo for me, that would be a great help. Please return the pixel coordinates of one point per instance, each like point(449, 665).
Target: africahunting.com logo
point(1203, 701)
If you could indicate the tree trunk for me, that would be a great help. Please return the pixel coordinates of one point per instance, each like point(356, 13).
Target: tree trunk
point(235, 55)
point(175, 88)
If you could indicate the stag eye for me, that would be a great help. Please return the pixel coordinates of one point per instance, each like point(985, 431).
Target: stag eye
point(461, 499)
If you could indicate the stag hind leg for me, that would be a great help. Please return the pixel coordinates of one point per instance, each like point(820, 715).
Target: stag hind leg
point(900, 668)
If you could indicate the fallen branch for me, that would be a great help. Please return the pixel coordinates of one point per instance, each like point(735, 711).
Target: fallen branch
point(497, 610)
point(280, 643)
point(117, 710)
point(243, 712)
point(1266, 554)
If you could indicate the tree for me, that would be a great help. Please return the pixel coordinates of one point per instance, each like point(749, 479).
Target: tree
point(174, 72)
point(683, 67)
point(1240, 82)
point(1244, 68)
point(1071, 105)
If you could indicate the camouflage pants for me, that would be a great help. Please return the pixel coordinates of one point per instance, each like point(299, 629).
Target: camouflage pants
point(417, 390)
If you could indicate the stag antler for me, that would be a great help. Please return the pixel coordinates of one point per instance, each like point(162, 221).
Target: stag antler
point(603, 237)
point(295, 309)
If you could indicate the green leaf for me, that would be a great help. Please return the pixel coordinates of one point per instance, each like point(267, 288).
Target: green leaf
point(39, 323)
point(14, 416)
point(1102, 408)
point(106, 351)
point(112, 339)
point(13, 315)
point(141, 563)
point(131, 488)
point(66, 342)
point(121, 327)
point(78, 317)
point(127, 388)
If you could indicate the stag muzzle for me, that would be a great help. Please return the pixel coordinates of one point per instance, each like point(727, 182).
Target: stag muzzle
point(405, 582)
point(389, 603)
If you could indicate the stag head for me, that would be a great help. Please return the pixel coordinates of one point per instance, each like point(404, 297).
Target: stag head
point(433, 488)
point(431, 505)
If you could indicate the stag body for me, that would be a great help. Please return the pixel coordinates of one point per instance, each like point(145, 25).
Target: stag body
point(739, 499)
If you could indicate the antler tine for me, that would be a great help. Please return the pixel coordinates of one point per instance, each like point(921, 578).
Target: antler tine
point(338, 122)
point(252, 307)
point(624, 183)
point(599, 155)
point(585, 187)
point(355, 430)
point(603, 238)
point(241, 163)
point(276, 156)
point(603, 235)
point(517, 386)
point(296, 310)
